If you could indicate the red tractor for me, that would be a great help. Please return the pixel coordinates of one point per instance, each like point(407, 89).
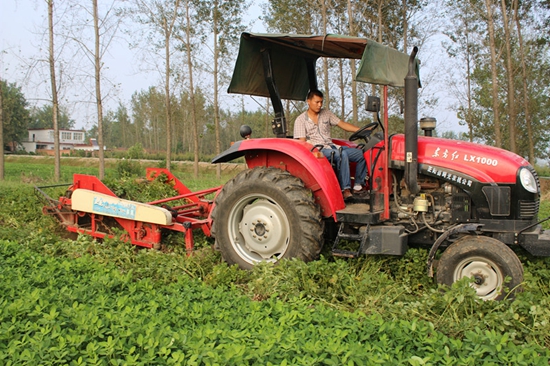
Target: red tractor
point(471, 203)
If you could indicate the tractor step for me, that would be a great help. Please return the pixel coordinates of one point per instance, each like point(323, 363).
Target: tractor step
point(345, 235)
point(358, 213)
point(354, 240)
point(344, 253)
point(349, 237)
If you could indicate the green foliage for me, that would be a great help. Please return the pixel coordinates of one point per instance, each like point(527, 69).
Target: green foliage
point(81, 153)
point(42, 117)
point(136, 151)
point(486, 108)
point(129, 167)
point(161, 155)
point(543, 170)
point(29, 169)
point(139, 189)
point(544, 212)
point(117, 130)
point(399, 289)
point(70, 301)
point(82, 311)
point(15, 115)
point(40, 170)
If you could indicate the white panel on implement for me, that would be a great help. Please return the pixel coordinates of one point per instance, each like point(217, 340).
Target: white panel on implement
point(99, 203)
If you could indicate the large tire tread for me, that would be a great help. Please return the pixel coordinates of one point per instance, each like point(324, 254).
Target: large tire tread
point(307, 247)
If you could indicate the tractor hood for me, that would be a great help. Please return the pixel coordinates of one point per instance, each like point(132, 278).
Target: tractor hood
point(291, 54)
point(483, 163)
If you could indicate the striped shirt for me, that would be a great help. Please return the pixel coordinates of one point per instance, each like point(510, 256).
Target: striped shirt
point(316, 134)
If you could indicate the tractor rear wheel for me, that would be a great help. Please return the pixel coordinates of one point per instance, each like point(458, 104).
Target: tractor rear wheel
point(266, 214)
point(488, 261)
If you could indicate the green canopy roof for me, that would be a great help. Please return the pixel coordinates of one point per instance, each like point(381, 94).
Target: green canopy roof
point(291, 53)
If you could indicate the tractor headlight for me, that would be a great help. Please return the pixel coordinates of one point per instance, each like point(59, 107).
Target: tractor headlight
point(528, 180)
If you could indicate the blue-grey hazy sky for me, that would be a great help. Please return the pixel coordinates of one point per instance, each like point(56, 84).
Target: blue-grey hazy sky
point(22, 42)
point(23, 22)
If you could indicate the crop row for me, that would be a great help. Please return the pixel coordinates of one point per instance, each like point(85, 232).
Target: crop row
point(86, 302)
point(58, 310)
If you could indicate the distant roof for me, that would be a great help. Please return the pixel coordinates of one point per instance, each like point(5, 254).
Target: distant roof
point(51, 129)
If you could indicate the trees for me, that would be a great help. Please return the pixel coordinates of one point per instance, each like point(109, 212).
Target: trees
point(500, 61)
point(122, 117)
point(98, 65)
point(224, 18)
point(510, 72)
point(380, 20)
point(42, 117)
point(524, 77)
point(499, 88)
point(160, 16)
point(53, 82)
point(463, 48)
point(188, 48)
point(15, 114)
point(93, 42)
point(1, 131)
point(148, 111)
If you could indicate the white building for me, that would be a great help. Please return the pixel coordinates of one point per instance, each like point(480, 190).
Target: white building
point(42, 140)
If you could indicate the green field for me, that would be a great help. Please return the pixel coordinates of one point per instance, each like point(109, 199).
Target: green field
point(79, 301)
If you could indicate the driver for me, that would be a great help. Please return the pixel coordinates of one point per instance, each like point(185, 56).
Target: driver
point(314, 126)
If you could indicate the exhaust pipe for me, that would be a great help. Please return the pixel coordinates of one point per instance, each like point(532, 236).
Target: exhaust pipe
point(411, 129)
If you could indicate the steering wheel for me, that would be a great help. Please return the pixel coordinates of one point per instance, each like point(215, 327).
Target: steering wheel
point(363, 132)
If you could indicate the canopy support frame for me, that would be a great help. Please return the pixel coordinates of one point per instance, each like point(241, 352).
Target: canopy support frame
point(278, 125)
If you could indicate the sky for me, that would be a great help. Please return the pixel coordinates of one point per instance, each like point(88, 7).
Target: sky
point(22, 24)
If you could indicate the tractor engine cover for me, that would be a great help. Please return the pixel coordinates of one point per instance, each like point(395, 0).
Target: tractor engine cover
point(492, 179)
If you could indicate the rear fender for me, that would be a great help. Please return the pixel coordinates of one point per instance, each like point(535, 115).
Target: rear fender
point(296, 157)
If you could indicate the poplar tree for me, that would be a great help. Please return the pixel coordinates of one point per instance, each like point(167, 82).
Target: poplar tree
point(160, 16)
point(53, 83)
point(224, 22)
point(463, 33)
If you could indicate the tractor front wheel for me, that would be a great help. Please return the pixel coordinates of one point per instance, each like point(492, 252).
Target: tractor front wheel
point(266, 214)
point(488, 261)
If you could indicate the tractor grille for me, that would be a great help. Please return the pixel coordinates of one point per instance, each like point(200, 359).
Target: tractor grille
point(528, 209)
point(532, 170)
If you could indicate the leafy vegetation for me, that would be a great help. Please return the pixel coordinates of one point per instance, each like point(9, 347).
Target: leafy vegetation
point(81, 311)
point(81, 301)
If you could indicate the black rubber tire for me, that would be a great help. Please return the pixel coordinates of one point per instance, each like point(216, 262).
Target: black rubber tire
point(486, 259)
point(266, 214)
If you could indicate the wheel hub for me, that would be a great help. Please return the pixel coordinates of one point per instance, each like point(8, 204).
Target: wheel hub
point(487, 281)
point(260, 228)
point(264, 228)
point(479, 279)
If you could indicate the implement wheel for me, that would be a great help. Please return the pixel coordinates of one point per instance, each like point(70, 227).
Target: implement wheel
point(488, 261)
point(266, 214)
